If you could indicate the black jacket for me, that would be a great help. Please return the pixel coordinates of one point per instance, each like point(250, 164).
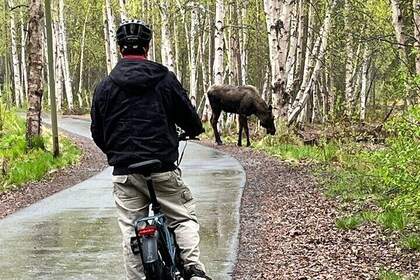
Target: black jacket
point(134, 113)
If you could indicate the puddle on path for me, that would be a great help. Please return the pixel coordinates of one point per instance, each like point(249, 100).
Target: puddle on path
point(74, 234)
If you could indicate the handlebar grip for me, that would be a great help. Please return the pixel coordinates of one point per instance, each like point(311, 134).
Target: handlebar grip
point(185, 137)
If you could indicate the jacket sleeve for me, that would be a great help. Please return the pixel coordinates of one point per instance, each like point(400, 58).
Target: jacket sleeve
point(184, 113)
point(96, 126)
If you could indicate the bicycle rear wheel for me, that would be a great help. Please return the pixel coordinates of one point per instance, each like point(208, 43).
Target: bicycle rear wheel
point(154, 270)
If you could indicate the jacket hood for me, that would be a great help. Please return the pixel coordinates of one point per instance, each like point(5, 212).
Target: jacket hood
point(134, 73)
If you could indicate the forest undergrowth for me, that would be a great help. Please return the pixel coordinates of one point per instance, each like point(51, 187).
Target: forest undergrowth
point(373, 171)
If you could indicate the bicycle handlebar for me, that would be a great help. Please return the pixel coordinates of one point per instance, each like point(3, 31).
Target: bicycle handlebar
point(185, 137)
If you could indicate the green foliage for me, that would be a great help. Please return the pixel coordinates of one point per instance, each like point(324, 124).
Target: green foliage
point(350, 222)
point(412, 242)
point(19, 165)
point(393, 219)
point(389, 275)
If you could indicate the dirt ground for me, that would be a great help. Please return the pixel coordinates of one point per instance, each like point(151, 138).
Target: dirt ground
point(287, 228)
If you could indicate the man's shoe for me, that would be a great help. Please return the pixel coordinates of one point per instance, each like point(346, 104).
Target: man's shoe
point(197, 274)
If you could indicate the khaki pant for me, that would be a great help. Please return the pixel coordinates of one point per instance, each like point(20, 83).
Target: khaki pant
point(132, 199)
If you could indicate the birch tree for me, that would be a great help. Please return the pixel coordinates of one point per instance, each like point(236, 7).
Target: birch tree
point(167, 50)
point(349, 67)
point(313, 66)
point(218, 65)
point(110, 37)
point(364, 83)
point(62, 42)
point(15, 57)
point(397, 21)
point(278, 24)
point(36, 67)
point(416, 17)
point(192, 54)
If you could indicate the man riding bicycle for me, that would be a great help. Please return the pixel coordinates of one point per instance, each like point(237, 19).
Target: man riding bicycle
point(134, 114)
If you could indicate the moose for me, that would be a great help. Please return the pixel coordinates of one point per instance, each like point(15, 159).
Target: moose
point(244, 101)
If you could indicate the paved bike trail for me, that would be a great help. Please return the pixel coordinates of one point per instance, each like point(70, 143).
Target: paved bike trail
point(74, 234)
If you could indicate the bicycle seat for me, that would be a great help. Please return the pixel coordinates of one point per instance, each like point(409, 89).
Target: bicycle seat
point(145, 168)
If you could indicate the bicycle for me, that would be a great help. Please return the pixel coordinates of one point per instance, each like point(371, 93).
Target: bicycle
point(154, 241)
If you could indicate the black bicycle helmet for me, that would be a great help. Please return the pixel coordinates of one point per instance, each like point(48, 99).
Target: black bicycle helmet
point(133, 34)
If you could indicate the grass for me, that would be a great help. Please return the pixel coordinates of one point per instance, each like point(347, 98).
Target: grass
point(19, 164)
point(411, 242)
point(347, 223)
point(393, 219)
point(378, 185)
point(389, 275)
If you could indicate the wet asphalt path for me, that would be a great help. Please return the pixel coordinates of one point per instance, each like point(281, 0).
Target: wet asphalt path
point(74, 234)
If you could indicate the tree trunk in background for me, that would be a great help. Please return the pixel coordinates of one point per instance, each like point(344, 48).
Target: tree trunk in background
point(109, 65)
point(58, 64)
point(292, 58)
point(15, 58)
point(167, 51)
point(123, 10)
point(315, 62)
point(24, 70)
point(278, 24)
point(416, 15)
point(272, 11)
point(397, 21)
point(301, 44)
point(364, 86)
point(308, 62)
point(243, 40)
point(192, 47)
point(82, 51)
point(234, 49)
point(36, 67)
point(205, 43)
point(65, 61)
point(349, 90)
point(110, 35)
point(219, 43)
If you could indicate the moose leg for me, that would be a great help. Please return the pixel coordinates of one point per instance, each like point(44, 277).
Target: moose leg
point(243, 124)
point(240, 130)
point(213, 120)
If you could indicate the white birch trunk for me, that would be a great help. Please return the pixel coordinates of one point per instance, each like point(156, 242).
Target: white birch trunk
point(397, 21)
point(82, 52)
point(109, 65)
point(58, 59)
point(316, 59)
point(123, 10)
point(303, 21)
point(272, 11)
point(193, 62)
point(416, 16)
point(66, 66)
point(219, 43)
point(292, 57)
point(15, 58)
point(349, 90)
point(167, 51)
point(113, 52)
point(243, 39)
point(23, 57)
point(364, 86)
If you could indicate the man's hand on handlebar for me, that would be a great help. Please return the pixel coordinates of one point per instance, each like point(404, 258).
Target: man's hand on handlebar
point(184, 137)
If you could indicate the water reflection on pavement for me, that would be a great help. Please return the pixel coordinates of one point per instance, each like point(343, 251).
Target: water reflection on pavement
point(74, 234)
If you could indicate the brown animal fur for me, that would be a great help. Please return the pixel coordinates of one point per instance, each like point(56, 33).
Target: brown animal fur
point(242, 100)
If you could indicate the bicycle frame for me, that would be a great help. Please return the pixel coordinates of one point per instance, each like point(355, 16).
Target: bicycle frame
point(155, 242)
